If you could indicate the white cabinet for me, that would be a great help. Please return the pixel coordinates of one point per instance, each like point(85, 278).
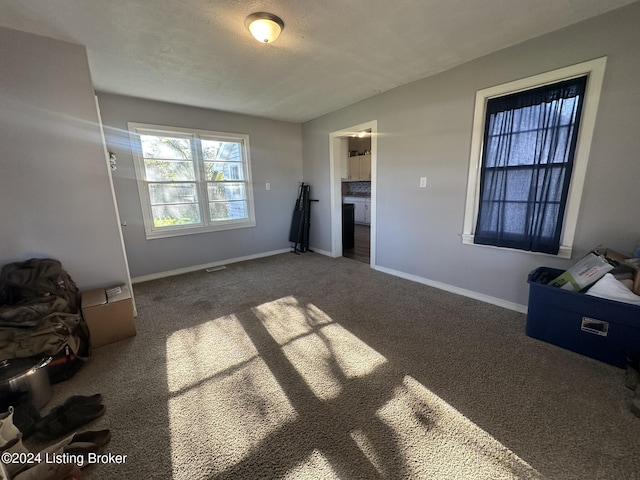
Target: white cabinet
point(362, 210)
point(365, 167)
point(359, 168)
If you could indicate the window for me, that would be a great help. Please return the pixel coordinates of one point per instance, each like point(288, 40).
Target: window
point(530, 146)
point(191, 181)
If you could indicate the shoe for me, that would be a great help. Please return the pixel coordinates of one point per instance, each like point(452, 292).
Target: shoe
point(11, 441)
point(66, 420)
point(94, 399)
point(98, 438)
point(15, 446)
point(73, 400)
point(25, 415)
point(48, 471)
point(8, 431)
point(75, 474)
point(78, 401)
point(78, 444)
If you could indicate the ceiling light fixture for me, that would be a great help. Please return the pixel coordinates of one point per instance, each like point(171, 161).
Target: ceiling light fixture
point(265, 27)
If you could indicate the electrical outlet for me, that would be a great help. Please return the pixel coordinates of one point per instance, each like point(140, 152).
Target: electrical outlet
point(267, 186)
point(423, 182)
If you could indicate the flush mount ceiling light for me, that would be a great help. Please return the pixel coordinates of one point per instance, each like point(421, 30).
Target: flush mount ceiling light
point(265, 27)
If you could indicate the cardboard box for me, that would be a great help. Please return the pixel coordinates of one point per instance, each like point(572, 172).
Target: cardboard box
point(109, 314)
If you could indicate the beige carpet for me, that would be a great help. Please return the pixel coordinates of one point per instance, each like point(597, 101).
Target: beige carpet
point(306, 367)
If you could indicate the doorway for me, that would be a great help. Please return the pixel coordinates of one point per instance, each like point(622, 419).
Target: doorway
point(339, 156)
point(361, 250)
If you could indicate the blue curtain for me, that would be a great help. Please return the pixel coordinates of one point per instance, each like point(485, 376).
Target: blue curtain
point(529, 144)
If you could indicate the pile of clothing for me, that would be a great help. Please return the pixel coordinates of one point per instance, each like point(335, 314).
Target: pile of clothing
point(41, 324)
point(40, 316)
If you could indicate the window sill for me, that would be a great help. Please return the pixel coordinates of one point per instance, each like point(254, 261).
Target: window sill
point(181, 231)
point(565, 251)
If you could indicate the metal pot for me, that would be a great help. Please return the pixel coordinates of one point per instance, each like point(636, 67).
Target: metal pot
point(20, 375)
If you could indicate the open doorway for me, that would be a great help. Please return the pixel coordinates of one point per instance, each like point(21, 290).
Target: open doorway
point(353, 160)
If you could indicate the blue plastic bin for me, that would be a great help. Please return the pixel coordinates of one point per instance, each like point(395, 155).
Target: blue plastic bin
point(603, 329)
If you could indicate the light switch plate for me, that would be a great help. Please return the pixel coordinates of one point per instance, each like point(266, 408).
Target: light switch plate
point(267, 186)
point(423, 182)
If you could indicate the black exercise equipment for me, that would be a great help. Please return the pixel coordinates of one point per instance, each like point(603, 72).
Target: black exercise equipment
point(299, 232)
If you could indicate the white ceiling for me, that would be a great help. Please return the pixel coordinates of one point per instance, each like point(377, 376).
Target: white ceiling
point(331, 53)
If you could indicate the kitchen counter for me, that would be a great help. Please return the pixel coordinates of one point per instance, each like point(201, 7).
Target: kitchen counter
point(356, 195)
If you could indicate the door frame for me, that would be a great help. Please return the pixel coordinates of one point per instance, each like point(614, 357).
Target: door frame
point(336, 165)
point(115, 206)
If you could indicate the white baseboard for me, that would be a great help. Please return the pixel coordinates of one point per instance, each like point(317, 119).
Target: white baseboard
point(443, 286)
point(321, 252)
point(453, 289)
point(397, 273)
point(194, 268)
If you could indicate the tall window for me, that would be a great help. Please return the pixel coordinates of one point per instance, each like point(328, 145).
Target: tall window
point(191, 181)
point(529, 152)
point(529, 145)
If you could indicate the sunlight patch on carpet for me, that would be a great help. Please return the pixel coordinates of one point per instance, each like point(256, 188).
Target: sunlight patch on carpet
point(314, 467)
point(424, 424)
point(230, 413)
point(286, 319)
point(323, 352)
point(205, 350)
point(224, 399)
point(367, 446)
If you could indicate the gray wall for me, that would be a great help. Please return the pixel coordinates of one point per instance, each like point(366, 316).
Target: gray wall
point(425, 130)
point(276, 153)
point(55, 196)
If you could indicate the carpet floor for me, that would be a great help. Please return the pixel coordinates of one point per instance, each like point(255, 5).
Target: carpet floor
point(307, 367)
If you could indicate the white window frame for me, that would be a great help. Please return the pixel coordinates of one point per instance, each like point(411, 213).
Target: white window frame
point(595, 71)
point(206, 225)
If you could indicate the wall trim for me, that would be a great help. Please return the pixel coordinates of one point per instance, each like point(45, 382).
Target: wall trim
point(194, 268)
point(397, 273)
point(322, 252)
point(442, 286)
point(453, 289)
